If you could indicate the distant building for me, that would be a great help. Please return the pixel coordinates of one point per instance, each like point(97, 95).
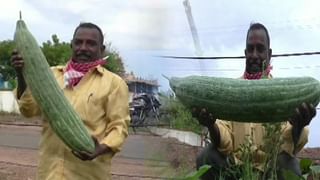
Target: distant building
point(140, 85)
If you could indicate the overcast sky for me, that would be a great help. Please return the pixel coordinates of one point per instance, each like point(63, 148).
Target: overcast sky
point(141, 30)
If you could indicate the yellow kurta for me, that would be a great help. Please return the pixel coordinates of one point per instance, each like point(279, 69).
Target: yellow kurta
point(233, 134)
point(101, 100)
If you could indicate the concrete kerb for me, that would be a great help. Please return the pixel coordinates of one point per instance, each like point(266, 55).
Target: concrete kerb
point(186, 137)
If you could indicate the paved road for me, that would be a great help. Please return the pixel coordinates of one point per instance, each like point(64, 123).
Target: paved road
point(142, 154)
point(141, 146)
point(19, 136)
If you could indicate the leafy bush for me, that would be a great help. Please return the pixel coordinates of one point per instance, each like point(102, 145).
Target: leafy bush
point(178, 115)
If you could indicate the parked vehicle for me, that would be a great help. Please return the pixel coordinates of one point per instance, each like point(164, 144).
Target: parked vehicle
point(142, 106)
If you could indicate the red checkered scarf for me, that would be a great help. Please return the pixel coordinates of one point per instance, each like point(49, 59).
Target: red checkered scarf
point(257, 75)
point(75, 71)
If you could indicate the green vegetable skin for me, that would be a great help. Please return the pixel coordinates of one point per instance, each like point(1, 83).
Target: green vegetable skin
point(63, 119)
point(258, 101)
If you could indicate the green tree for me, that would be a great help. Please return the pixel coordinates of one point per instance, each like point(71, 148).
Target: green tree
point(114, 61)
point(7, 71)
point(56, 52)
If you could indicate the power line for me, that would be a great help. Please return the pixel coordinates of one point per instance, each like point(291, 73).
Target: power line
point(241, 57)
point(236, 69)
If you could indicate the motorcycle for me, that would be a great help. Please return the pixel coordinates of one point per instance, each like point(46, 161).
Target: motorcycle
point(141, 107)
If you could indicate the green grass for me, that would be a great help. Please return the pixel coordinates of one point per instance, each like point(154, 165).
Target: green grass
point(178, 115)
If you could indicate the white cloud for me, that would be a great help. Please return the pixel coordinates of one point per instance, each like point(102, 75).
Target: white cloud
point(145, 25)
point(132, 25)
point(10, 12)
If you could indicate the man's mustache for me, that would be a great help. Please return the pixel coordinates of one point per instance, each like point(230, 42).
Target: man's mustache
point(83, 54)
point(254, 60)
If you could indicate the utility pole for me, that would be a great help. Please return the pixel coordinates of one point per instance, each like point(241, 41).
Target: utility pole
point(194, 34)
point(193, 28)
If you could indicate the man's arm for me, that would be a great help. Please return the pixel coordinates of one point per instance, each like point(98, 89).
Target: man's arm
point(220, 131)
point(302, 118)
point(21, 85)
point(18, 64)
point(214, 134)
point(295, 132)
point(118, 117)
point(27, 105)
point(289, 145)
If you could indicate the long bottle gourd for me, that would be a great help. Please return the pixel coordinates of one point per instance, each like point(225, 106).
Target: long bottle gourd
point(62, 117)
point(258, 101)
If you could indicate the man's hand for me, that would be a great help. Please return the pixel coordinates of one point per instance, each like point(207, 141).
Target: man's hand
point(18, 64)
point(17, 61)
point(300, 119)
point(207, 119)
point(100, 149)
point(204, 117)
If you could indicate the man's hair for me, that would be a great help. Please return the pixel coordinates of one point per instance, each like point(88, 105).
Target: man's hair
point(92, 26)
point(256, 26)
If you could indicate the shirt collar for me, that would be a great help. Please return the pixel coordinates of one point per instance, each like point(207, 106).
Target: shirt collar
point(98, 68)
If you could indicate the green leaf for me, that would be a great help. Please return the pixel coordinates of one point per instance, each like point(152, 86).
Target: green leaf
point(289, 175)
point(305, 165)
point(197, 174)
point(305, 176)
point(315, 169)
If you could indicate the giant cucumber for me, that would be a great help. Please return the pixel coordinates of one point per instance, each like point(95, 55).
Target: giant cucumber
point(264, 100)
point(63, 119)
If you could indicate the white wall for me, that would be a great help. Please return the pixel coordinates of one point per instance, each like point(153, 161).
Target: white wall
point(8, 102)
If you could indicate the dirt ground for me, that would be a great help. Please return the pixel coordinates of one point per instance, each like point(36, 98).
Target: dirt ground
point(311, 153)
point(16, 172)
point(180, 156)
point(20, 164)
point(18, 119)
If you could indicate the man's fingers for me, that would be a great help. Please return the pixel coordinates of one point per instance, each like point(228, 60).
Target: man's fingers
point(296, 118)
point(211, 116)
point(19, 63)
point(14, 52)
point(312, 109)
point(16, 60)
point(299, 115)
point(203, 113)
point(194, 112)
point(305, 111)
point(77, 155)
point(82, 155)
point(95, 141)
point(86, 154)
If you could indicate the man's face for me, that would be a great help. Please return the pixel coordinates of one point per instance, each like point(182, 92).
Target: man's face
point(86, 45)
point(257, 51)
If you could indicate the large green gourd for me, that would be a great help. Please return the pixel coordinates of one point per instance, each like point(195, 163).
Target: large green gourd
point(62, 117)
point(264, 100)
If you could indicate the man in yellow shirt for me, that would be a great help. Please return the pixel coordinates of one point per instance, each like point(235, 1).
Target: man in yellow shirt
point(99, 97)
point(228, 136)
